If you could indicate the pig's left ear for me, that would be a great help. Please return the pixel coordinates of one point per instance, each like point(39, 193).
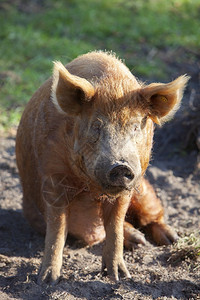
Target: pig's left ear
point(69, 92)
point(163, 100)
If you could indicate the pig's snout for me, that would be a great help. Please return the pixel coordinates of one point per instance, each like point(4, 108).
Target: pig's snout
point(116, 177)
point(120, 176)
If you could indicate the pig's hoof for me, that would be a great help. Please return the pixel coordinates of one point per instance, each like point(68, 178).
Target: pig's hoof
point(132, 237)
point(48, 276)
point(114, 268)
point(161, 234)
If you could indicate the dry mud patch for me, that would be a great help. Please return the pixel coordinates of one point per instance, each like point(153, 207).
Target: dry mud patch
point(154, 275)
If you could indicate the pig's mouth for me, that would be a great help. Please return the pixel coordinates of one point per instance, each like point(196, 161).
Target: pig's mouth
point(114, 190)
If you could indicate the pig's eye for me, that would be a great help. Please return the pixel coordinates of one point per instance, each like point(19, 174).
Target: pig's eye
point(143, 123)
point(95, 131)
point(136, 127)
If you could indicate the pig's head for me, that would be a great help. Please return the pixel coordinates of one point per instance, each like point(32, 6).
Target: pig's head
point(113, 123)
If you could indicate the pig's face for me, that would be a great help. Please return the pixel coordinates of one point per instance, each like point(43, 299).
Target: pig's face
point(112, 155)
point(113, 119)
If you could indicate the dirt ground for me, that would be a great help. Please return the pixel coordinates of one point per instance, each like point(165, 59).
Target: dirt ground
point(174, 174)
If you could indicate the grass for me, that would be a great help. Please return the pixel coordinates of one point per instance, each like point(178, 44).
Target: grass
point(34, 33)
point(187, 249)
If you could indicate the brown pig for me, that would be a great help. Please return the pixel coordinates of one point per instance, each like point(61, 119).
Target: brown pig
point(83, 146)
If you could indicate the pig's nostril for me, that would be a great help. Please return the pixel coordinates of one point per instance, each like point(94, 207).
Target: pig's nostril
point(121, 176)
point(129, 175)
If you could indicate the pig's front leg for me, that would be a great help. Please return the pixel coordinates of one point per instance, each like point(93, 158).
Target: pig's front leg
point(56, 233)
point(112, 260)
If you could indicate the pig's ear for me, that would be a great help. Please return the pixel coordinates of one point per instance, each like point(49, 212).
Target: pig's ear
point(164, 99)
point(69, 92)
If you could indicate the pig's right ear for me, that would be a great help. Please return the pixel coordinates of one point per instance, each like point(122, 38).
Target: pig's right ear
point(163, 100)
point(69, 92)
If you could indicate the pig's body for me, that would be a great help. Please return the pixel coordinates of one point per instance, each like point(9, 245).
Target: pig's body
point(83, 146)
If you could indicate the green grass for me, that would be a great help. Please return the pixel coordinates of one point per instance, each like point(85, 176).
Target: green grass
point(32, 36)
point(187, 249)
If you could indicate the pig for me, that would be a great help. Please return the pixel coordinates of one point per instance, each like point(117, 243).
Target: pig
point(82, 148)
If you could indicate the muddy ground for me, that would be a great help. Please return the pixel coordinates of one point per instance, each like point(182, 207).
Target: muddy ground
point(175, 175)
